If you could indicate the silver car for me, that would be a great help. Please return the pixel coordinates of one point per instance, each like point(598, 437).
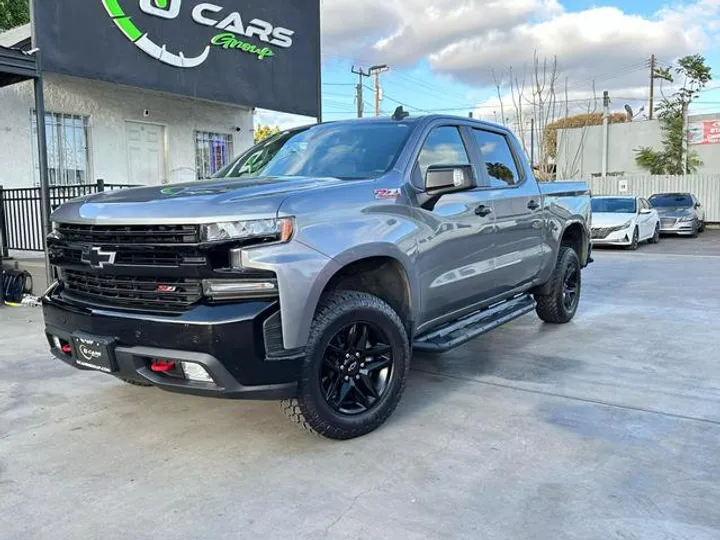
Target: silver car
point(680, 213)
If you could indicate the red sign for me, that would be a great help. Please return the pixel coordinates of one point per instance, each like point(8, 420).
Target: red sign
point(707, 132)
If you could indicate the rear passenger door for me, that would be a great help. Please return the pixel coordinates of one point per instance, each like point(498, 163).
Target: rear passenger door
point(520, 246)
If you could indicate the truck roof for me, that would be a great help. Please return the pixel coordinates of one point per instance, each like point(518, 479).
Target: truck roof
point(409, 119)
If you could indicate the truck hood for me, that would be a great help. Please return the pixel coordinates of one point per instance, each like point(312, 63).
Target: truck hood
point(610, 219)
point(189, 203)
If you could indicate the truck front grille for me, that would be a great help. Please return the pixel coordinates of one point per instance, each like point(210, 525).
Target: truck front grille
point(130, 256)
point(129, 234)
point(133, 291)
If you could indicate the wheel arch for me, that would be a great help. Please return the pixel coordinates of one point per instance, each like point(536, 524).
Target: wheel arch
point(378, 269)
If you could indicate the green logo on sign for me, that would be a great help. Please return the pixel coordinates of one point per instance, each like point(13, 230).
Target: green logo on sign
point(205, 14)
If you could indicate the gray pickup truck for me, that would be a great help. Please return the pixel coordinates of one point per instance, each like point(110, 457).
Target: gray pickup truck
point(312, 266)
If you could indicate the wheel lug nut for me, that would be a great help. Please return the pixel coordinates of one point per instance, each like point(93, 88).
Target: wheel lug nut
point(347, 356)
point(357, 377)
point(347, 378)
point(357, 354)
point(362, 365)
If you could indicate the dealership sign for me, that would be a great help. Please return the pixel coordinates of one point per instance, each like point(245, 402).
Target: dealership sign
point(707, 132)
point(263, 53)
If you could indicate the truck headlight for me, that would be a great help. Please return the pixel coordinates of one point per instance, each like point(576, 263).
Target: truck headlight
point(280, 230)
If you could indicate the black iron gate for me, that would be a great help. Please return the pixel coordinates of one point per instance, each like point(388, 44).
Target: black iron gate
point(20, 213)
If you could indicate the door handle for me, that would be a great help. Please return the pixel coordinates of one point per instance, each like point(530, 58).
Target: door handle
point(483, 211)
point(533, 205)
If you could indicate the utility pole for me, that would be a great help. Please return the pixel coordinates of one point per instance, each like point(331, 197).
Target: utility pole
point(359, 89)
point(685, 141)
point(376, 71)
point(652, 86)
point(606, 127)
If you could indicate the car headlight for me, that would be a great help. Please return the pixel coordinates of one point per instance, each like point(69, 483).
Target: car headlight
point(280, 230)
point(625, 225)
point(687, 218)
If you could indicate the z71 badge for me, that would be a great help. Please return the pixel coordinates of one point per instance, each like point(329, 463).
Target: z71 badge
point(393, 193)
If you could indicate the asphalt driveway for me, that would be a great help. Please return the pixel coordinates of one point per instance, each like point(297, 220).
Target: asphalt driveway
point(608, 427)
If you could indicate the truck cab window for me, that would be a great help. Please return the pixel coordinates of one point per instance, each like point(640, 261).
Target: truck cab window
point(444, 146)
point(499, 160)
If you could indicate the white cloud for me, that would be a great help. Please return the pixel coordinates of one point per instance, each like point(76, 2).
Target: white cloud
point(466, 39)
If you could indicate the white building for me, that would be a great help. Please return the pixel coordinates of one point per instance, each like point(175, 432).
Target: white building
point(119, 134)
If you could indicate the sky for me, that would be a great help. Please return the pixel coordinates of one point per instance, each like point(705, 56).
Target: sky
point(446, 55)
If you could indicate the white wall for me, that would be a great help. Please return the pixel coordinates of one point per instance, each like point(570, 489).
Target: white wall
point(579, 150)
point(109, 107)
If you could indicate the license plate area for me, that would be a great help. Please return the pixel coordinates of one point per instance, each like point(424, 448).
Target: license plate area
point(94, 352)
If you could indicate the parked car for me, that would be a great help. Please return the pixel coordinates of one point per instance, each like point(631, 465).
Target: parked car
point(680, 213)
point(624, 221)
point(315, 263)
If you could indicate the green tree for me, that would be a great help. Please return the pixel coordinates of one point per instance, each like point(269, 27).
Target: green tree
point(694, 74)
point(14, 13)
point(264, 132)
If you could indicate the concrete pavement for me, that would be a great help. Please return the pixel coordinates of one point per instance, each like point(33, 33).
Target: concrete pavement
point(608, 427)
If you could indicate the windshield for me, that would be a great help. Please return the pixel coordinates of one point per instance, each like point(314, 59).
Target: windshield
point(671, 200)
point(345, 151)
point(616, 206)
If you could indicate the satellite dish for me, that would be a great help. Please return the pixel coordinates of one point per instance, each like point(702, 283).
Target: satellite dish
point(630, 113)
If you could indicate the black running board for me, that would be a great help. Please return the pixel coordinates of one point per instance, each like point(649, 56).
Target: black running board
point(461, 331)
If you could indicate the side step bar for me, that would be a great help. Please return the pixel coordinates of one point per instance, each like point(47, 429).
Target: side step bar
point(460, 332)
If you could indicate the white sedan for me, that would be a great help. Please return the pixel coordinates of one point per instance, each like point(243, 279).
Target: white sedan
point(624, 221)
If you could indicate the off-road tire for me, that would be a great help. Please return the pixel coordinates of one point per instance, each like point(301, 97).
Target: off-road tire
point(309, 409)
point(134, 382)
point(551, 307)
point(655, 239)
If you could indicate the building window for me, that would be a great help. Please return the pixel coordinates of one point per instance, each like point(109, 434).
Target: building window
point(68, 148)
point(212, 152)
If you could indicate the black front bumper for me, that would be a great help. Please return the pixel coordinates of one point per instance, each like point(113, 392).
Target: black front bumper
point(228, 340)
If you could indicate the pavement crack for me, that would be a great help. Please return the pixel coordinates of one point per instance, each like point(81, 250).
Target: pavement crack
point(569, 397)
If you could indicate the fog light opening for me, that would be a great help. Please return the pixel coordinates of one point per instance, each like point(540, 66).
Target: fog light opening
point(162, 366)
point(195, 372)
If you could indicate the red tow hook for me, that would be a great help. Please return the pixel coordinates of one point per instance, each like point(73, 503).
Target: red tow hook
point(162, 366)
point(66, 349)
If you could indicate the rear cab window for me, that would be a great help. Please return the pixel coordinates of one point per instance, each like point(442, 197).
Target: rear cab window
point(500, 160)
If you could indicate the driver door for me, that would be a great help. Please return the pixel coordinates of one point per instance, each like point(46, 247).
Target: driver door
point(455, 247)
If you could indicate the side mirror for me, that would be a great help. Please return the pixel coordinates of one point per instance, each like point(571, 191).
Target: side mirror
point(441, 179)
point(698, 205)
point(645, 211)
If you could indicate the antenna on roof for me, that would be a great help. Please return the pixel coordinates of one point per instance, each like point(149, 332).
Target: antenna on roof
point(400, 114)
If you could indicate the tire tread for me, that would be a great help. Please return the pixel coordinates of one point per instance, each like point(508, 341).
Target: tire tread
point(549, 307)
point(300, 410)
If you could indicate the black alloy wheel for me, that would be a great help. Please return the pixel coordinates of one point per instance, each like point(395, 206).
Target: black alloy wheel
point(571, 288)
point(356, 364)
point(357, 367)
point(561, 300)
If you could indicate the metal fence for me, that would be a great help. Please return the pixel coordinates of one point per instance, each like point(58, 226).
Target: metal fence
point(20, 213)
point(706, 187)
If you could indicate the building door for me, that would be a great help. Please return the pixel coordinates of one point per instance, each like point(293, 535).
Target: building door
point(146, 154)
